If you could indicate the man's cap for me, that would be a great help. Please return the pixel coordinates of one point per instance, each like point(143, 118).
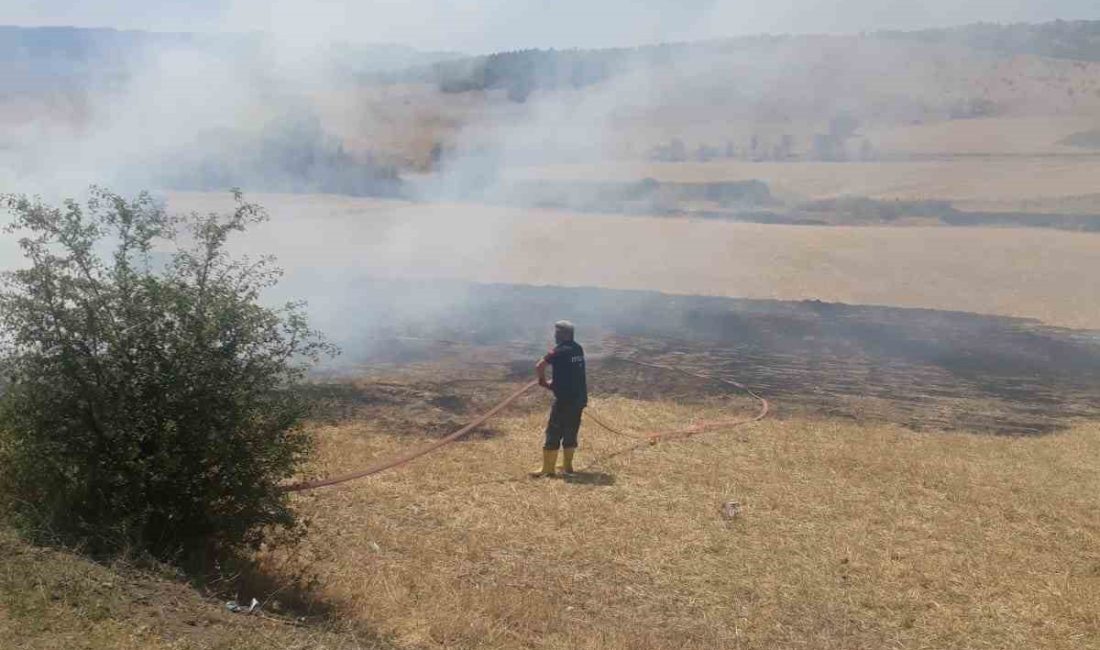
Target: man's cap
point(565, 327)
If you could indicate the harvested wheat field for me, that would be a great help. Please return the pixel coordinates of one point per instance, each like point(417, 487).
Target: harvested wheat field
point(872, 508)
point(973, 182)
point(844, 535)
point(1006, 271)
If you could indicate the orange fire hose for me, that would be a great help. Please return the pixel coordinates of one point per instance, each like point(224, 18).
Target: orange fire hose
point(697, 428)
point(412, 455)
point(651, 438)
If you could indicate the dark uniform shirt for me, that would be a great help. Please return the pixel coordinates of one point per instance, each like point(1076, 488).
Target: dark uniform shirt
point(570, 385)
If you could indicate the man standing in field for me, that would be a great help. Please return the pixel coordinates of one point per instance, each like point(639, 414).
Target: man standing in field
point(570, 389)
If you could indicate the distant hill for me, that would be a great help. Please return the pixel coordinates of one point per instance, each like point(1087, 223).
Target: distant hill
point(235, 109)
point(1078, 40)
point(522, 72)
point(54, 58)
point(128, 101)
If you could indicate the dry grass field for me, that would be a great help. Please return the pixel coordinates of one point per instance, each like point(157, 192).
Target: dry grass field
point(848, 536)
point(52, 599)
point(1031, 273)
point(1012, 183)
point(925, 480)
point(853, 529)
point(905, 92)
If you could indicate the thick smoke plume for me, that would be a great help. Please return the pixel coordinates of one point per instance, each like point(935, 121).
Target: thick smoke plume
point(571, 130)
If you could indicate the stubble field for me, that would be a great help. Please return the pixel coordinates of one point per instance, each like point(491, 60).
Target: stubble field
point(847, 535)
point(1032, 273)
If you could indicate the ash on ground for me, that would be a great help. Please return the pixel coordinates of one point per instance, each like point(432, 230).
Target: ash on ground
point(923, 369)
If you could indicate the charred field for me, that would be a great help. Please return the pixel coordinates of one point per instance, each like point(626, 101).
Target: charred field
point(918, 368)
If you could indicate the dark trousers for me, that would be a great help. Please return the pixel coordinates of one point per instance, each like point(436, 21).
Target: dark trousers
point(565, 422)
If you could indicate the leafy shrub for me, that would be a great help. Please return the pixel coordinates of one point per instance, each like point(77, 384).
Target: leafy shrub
point(148, 402)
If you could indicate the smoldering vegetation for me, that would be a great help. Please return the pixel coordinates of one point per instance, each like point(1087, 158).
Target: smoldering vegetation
point(774, 99)
point(922, 369)
point(141, 110)
point(290, 154)
point(202, 112)
point(207, 113)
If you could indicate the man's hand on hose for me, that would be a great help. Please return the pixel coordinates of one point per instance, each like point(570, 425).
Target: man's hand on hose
point(540, 372)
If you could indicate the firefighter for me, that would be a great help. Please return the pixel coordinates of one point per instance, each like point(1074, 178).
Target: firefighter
point(569, 385)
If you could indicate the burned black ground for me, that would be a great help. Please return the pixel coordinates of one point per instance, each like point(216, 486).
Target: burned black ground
point(923, 369)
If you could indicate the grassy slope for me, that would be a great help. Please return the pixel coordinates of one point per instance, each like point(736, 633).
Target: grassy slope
point(56, 600)
point(851, 536)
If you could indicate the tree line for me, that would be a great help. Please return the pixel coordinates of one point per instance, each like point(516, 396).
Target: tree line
point(522, 72)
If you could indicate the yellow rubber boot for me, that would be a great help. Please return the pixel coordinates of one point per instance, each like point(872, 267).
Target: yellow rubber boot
point(549, 460)
point(567, 461)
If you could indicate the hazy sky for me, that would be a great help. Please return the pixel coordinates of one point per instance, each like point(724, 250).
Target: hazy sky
point(486, 25)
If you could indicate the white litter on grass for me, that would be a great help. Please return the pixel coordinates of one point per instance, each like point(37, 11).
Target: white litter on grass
point(238, 608)
point(731, 510)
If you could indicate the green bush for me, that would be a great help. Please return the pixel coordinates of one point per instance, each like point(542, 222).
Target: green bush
point(148, 398)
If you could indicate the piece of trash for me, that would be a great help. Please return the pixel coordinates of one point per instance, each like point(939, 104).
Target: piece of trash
point(375, 547)
point(238, 608)
point(731, 510)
